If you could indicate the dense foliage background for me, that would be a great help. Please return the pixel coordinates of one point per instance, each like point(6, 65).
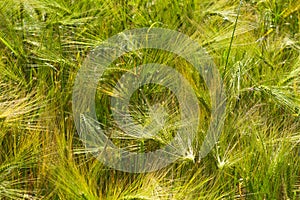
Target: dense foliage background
point(43, 44)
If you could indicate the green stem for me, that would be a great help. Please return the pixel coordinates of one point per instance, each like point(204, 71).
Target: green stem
point(232, 36)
